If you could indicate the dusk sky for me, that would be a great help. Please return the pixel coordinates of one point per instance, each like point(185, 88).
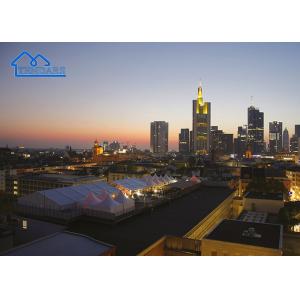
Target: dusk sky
point(113, 91)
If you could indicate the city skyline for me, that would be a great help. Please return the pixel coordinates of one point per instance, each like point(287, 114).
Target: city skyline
point(113, 91)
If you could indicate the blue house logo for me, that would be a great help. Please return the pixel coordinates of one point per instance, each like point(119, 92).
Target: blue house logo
point(26, 65)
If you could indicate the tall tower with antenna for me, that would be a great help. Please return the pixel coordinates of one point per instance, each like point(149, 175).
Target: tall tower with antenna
point(201, 124)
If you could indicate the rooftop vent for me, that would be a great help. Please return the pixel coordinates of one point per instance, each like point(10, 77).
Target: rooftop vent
point(251, 233)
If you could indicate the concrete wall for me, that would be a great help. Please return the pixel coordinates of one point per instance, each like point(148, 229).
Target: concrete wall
point(263, 205)
point(156, 249)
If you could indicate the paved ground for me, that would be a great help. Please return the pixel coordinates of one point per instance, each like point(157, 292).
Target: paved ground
point(177, 218)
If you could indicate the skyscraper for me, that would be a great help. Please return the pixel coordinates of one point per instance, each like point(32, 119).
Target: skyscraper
point(294, 141)
point(159, 137)
point(286, 141)
point(184, 141)
point(294, 144)
point(191, 141)
point(221, 143)
point(201, 124)
point(240, 143)
point(255, 130)
point(297, 131)
point(275, 136)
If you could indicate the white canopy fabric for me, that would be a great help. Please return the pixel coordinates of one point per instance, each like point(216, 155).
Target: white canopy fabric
point(96, 196)
point(90, 200)
point(147, 181)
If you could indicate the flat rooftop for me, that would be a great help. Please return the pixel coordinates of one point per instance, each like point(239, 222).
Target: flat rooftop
point(177, 218)
point(235, 231)
point(61, 244)
point(59, 177)
point(267, 196)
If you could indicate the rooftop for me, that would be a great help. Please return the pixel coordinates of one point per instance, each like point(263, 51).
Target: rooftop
point(61, 244)
point(177, 218)
point(267, 196)
point(253, 216)
point(294, 169)
point(60, 177)
point(250, 233)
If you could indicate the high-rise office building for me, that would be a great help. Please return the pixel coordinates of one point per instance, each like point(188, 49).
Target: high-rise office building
point(297, 131)
point(286, 141)
point(184, 141)
point(275, 136)
point(221, 143)
point(159, 137)
point(201, 124)
point(294, 144)
point(240, 143)
point(255, 130)
point(294, 141)
point(191, 141)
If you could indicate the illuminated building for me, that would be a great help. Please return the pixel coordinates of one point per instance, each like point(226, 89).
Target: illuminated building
point(275, 136)
point(97, 150)
point(184, 141)
point(159, 132)
point(201, 124)
point(286, 141)
point(293, 174)
point(294, 144)
point(248, 153)
point(255, 130)
point(294, 141)
point(240, 143)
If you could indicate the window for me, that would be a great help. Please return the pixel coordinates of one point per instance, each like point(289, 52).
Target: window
point(24, 224)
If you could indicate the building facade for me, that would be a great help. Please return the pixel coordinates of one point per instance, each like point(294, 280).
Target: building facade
point(240, 143)
point(294, 144)
point(221, 143)
point(275, 137)
point(286, 141)
point(255, 130)
point(159, 132)
point(297, 130)
point(191, 141)
point(293, 174)
point(184, 141)
point(201, 124)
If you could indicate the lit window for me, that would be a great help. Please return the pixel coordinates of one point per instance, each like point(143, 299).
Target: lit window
point(24, 224)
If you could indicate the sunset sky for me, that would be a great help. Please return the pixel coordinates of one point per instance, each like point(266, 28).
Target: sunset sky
point(113, 91)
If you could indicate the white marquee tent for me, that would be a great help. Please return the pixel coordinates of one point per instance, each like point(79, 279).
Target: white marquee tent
point(144, 183)
point(98, 196)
